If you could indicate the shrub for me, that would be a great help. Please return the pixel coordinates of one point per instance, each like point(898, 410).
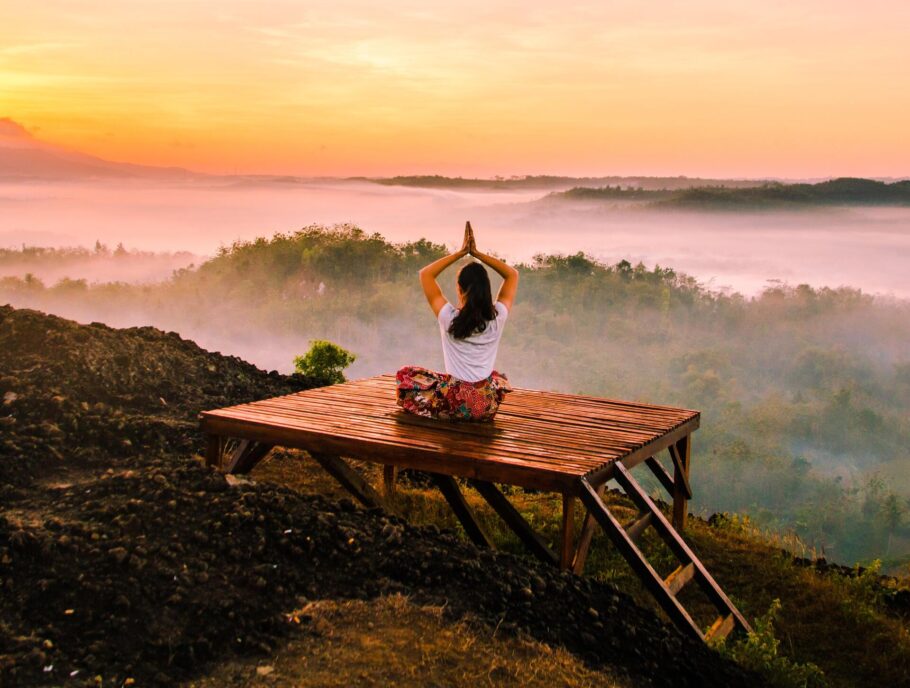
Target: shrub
point(324, 359)
point(758, 651)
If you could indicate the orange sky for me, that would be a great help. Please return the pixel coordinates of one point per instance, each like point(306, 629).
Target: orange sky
point(749, 88)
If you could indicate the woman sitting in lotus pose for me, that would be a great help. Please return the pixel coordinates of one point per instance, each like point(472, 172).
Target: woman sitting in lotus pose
point(470, 389)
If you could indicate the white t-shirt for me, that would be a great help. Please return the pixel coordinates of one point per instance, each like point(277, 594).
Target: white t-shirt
point(471, 359)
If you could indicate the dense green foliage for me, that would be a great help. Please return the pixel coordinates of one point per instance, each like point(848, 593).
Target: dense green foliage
point(324, 360)
point(843, 191)
point(804, 392)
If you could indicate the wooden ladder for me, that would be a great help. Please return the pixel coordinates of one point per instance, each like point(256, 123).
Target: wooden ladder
point(665, 590)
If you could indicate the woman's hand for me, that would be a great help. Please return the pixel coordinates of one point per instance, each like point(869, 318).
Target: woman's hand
point(509, 274)
point(429, 273)
point(469, 239)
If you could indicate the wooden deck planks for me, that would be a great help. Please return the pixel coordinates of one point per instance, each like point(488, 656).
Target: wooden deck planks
point(552, 436)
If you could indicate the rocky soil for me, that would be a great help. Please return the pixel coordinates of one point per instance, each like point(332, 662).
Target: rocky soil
point(123, 557)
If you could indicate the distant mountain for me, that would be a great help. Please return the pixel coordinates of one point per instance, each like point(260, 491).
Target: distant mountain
point(24, 157)
point(543, 181)
point(843, 191)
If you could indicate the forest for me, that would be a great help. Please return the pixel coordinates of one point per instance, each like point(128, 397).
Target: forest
point(804, 392)
point(845, 191)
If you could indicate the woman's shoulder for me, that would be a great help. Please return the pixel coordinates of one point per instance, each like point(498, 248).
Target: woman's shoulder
point(502, 311)
point(446, 314)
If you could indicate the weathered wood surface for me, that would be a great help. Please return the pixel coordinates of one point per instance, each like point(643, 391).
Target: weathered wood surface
point(543, 440)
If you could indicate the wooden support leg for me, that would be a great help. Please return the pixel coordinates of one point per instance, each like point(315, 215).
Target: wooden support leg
point(456, 500)
point(213, 445)
point(681, 452)
point(245, 456)
point(584, 539)
point(567, 538)
point(515, 521)
point(350, 479)
point(389, 475)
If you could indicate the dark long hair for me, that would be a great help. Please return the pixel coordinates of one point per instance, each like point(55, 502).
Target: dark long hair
point(477, 310)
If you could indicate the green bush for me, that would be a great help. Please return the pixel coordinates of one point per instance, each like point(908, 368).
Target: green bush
point(325, 360)
point(759, 652)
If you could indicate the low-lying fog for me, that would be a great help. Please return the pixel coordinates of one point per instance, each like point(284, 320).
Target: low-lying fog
point(861, 247)
point(804, 394)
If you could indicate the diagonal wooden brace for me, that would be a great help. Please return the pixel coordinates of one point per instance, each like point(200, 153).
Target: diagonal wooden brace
point(462, 509)
point(515, 521)
point(350, 479)
point(245, 456)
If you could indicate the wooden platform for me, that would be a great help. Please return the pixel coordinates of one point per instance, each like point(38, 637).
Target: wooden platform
point(564, 443)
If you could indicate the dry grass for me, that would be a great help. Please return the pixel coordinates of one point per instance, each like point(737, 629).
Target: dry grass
point(392, 642)
point(824, 619)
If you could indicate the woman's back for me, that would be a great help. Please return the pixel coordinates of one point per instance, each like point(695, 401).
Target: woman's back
point(471, 358)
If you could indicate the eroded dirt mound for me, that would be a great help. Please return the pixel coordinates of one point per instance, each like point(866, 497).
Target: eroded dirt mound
point(144, 564)
point(90, 392)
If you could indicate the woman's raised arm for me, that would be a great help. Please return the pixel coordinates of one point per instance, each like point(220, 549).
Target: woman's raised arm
point(507, 272)
point(429, 274)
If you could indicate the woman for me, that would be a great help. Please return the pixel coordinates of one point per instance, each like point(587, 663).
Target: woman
point(470, 389)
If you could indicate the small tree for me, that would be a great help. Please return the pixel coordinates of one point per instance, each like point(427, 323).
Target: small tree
point(325, 360)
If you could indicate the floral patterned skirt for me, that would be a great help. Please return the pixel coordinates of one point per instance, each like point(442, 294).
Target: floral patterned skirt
point(431, 394)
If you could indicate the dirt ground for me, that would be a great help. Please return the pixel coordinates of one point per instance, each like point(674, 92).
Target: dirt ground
point(391, 641)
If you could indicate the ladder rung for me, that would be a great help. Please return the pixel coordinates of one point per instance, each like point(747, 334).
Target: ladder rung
point(676, 580)
point(635, 530)
point(721, 628)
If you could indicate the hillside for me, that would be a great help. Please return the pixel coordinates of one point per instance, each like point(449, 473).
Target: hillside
point(844, 191)
point(547, 182)
point(123, 557)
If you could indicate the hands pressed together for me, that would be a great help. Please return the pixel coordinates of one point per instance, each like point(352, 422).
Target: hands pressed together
point(429, 273)
point(468, 247)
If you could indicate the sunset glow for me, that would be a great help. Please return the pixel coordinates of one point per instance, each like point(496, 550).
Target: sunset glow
point(756, 88)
